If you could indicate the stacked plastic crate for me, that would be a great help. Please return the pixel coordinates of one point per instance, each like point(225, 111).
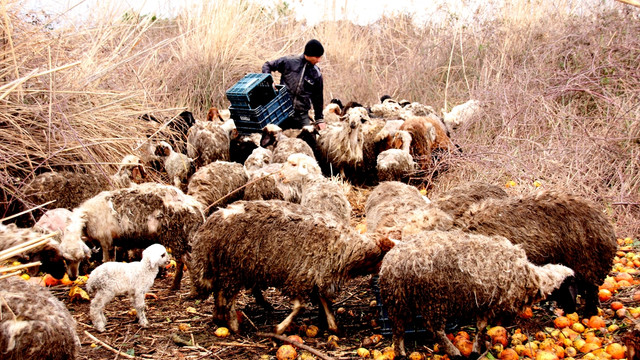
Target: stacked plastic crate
point(255, 103)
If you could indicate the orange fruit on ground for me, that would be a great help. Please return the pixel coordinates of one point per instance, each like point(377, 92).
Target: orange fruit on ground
point(561, 322)
point(416, 356)
point(508, 354)
point(623, 276)
point(498, 335)
point(526, 313)
point(624, 283)
point(573, 317)
point(617, 305)
point(577, 327)
point(50, 280)
point(286, 352)
point(363, 353)
point(589, 347)
point(596, 322)
point(592, 338)
point(616, 351)
point(463, 334)
point(464, 345)
point(604, 295)
point(295, 338)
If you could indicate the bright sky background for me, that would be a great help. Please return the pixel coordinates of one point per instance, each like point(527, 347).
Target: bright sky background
point(358, 11)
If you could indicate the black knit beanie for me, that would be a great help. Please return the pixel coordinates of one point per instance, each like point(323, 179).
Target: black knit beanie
point(313, 48)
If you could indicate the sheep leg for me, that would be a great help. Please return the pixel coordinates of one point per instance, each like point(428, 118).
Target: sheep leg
point(232, 320)
point(331, 320)
point(481, 324)
point(107, 248)
point(591, 300)
point(398, 336)
point(96, 310)
point(297, 305)
point(260, 300)
point(138, 303)
point(448, 346)
point(175, 286)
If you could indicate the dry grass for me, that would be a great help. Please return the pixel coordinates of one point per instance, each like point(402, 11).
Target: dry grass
point(559, 83)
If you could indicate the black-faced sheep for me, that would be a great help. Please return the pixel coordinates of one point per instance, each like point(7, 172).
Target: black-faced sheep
point(69, 189)
point(217, 184)
point(301, 180)
point(34, 324)
point(552, 227)
point(133, 279)
point(392, 205)
point(135, 218)
point(49, 254)
point(443, 275)
point(179, 167)
point(341, 145)
point(209, 141)
point(241, 147)
point(279, 244)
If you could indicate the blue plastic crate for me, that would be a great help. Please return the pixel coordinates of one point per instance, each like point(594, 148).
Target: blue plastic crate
point(252, 91)
point(275, 112)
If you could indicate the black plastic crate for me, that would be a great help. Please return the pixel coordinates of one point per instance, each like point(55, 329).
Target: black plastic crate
point(252, 91)
point(275, 112)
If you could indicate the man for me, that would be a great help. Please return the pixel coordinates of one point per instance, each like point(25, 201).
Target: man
point(304, 82)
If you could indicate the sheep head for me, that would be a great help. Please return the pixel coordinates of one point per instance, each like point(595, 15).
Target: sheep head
point(377, 246)
point(163, 149)
point(154, 257)
point(214, 115)
point(299, 167)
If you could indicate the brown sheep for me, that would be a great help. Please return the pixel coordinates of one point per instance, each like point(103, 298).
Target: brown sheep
point(34, 324)
point(552, 227)
point(443, 275)
point(135, 218)
point(277, 243)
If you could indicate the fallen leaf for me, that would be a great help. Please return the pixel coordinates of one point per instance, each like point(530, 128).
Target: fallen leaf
point(76, 293)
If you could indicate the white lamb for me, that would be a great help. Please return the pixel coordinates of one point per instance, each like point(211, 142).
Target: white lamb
point(134, 279)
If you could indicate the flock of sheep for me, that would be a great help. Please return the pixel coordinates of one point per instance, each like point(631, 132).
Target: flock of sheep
point(258, 211)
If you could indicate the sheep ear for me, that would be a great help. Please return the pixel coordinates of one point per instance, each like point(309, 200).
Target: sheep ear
point(303, 169)
point(385, 243)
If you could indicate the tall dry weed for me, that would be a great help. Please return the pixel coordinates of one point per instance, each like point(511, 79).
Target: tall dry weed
point(558, 80)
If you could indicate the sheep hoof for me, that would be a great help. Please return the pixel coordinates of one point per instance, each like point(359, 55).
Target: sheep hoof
point(99, 328)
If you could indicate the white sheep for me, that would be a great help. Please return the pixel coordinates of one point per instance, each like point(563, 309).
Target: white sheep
point(217, 184)
point(301, 181)
point(396, 164)
point(133, 279)
point(341, 145)
point(259, 158)
point(460, 114)
point(179, 167)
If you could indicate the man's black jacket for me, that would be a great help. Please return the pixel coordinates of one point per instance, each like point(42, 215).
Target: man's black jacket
point(306, 90)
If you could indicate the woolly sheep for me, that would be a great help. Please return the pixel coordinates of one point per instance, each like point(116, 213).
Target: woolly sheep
point(396, 163)
point(341, 145)
point(387, 109)
point(443, 275)
point(34, 324)
point(460, 114)
point(392, 205)
point(50, 254)
point(259, 158)
point(331, 113)
point(301, 178)
point(241, 147)
point(283, 146)
point(69, 189)
point(423, 136)
point(135, 218)
point(280, 244)
point(134, 279)
point(179, 167)
point(262, 184)
point(218, 183)
point(457, 200)
point(552, 227)
point(208, 142)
